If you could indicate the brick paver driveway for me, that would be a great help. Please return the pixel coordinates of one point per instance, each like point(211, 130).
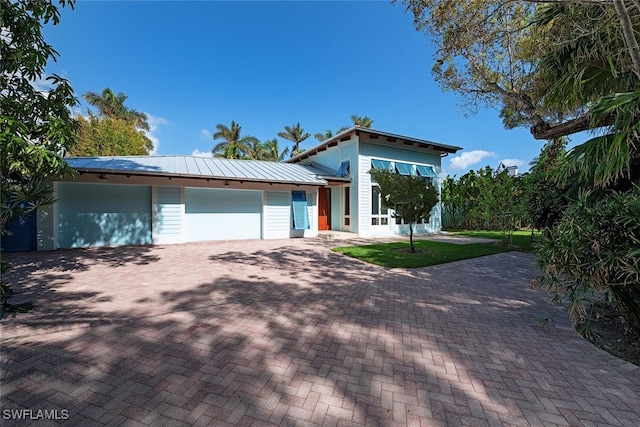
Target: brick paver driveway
point(289, 333)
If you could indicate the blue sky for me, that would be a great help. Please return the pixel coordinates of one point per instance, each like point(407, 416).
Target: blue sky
point(266, 65)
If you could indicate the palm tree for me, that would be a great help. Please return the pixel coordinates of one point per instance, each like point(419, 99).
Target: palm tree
point(364, 122)
point(295, 134)
point(323, 136)
point(111, 105)
point(233, 146)
point(272, 151)
point(611, 95)
point(255, 151)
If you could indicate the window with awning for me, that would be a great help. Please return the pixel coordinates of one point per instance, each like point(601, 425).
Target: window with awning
point(344, 169)
point(426, 171)
point(403, 168)
point(381, 164)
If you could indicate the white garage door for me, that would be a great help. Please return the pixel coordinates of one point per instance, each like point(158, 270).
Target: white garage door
point(213, 214)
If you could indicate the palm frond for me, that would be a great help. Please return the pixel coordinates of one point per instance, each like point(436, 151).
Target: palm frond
point(607, 158)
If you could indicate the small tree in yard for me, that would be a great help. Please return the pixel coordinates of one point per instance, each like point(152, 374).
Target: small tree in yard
point(411, 197)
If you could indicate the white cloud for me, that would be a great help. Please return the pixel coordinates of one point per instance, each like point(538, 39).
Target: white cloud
point(199, 153)
point(154, 123)
point(205, 134)
point(512, 162)
point(42, 85)
point(155, 141)
point(464, 160)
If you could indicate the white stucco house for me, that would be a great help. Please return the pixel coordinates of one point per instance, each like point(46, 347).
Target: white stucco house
point(176, 199)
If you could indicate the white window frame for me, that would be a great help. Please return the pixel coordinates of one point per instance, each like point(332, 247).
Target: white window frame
point(381, 219)
point(346, 207)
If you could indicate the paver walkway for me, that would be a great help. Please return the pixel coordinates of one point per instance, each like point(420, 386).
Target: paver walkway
point(289, 333)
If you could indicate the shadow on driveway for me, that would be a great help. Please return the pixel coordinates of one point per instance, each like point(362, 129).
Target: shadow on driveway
point(289, 333)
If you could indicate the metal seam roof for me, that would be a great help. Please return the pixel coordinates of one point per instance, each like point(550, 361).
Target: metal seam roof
point(199, 167)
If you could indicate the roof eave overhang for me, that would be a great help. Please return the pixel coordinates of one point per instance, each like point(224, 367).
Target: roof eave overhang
point(336, 179)
point(198, 177)
point(331, 142)
point(444, 149)
point(408, 141)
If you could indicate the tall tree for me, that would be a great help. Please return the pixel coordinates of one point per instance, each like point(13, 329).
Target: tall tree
point(112, 105)
point(410, 197)
point(485, 52)
point(295, 134)
point(272, 151)
point(233, 145)
point(364, 121)
point(255, 150)
point(356, 120)
point(110, 136)
point(593, 72)
point(588, 250)
point(490, 53)
point(36, 126)
point(323, 136)
point(545, 199)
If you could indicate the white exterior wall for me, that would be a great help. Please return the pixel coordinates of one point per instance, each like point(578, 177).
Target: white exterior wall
point(276, 215)
point(168, 214)
point(363, 194)
point(359, 150)
point(312, 210)
point(170, 220)
point(331, 159)
point(374, 149)
point(47, 224)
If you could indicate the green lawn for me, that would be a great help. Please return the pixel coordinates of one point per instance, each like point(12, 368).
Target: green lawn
point(432, 253)
point(521, 238)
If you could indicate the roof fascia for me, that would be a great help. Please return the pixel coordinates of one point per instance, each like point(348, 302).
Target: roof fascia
point(444, 149)
point(198, 177)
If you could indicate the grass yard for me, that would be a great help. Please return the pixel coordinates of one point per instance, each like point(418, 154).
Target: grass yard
point(520, 238)
point(395, 255)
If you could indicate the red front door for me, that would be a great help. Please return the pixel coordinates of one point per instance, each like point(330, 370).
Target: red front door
point(324, 209)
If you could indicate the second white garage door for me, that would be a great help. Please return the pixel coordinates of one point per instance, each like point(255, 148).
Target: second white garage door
point(213, 214)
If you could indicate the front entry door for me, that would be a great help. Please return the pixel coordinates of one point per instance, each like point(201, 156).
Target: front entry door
point(324, 209)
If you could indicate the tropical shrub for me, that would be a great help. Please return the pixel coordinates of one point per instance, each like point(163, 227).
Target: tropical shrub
point(594, 249)
point(487, 199)
point(545, 198)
